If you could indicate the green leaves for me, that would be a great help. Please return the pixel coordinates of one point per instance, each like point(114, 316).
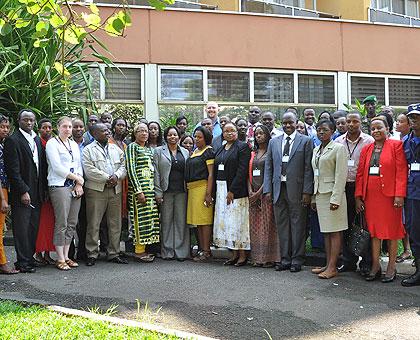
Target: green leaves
point(161, 4)
point(5, 27)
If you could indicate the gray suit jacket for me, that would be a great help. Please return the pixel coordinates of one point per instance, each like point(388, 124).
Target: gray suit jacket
point(299, 172)
point(163, 163)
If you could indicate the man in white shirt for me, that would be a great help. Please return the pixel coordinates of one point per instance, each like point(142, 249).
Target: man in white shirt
point(104, 169)
point(354, 140)
point(254, 114)
point(268, 120)
point(26, 170)
point(309, 118)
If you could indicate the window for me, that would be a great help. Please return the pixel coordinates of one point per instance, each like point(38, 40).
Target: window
point(404, 7)
point(316, 89)
point(273, 87)
point(181, 85)
point(362, 87)
point(403, 92)
point(295, 3)
point(381, 4)
point(123, 83)
point(228, 86)
point(413, 8)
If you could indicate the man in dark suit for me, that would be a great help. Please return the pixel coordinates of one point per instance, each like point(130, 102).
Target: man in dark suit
point(26, 169)
point(288, 179)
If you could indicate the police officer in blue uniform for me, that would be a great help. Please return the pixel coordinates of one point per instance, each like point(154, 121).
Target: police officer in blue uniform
point(412, 153)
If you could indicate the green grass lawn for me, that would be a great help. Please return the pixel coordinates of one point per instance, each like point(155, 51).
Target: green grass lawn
point(34, 322)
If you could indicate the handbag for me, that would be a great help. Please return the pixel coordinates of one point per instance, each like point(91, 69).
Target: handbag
point(360, 236)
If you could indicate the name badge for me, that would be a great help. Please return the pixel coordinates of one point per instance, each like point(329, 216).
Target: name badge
point(256, 173)
point(316, 172)
point(285, 159)
point(283, 178)
point(350, 162)
point(221, 167)
point(374, 170)
point(415, 166)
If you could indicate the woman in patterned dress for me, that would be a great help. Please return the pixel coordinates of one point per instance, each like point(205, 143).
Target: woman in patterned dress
point(264, 240)
point(143, 211)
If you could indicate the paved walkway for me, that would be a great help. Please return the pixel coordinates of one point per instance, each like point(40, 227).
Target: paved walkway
point(230, 303)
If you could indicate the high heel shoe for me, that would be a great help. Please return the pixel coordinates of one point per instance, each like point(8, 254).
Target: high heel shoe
point(242, 263)
point(373, 277)
point(231, 261)
point(388, 279)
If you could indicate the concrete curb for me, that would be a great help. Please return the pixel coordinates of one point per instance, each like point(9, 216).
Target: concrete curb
point(126, 322)
point(114, 320)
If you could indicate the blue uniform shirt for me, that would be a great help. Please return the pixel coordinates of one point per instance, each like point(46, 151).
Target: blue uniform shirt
point(412, 153)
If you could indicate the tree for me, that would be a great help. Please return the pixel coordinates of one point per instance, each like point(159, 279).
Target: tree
point(43, 50)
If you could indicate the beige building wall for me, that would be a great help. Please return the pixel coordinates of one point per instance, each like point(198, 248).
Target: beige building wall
point(240, 40)
point(345, 9)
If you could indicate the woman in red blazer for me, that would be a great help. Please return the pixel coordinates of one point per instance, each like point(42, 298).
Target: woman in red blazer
point(381, 184)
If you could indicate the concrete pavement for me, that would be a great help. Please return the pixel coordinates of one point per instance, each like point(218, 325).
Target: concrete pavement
point(230, 303)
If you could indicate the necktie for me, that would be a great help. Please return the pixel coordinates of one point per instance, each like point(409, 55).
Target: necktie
point(286, 152)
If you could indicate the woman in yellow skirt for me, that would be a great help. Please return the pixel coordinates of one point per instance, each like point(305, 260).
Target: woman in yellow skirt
point(199, 178)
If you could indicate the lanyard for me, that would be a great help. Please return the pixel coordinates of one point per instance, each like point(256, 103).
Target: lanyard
point(354, 149)
point(69, 150)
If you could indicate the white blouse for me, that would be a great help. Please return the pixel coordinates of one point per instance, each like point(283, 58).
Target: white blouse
point(62, 157)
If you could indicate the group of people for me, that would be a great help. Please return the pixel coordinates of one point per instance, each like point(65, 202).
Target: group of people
point(241, 184)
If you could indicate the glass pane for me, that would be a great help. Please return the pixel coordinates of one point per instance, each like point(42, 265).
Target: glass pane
point(412, 8)
point(384, 5)
point(275, 88)
point(123, 83)
point(181, 85)
point(316, 89)
point(362, 87)
point(403, 92)
point(79, 89)
point(398, 6)
point(228, 86)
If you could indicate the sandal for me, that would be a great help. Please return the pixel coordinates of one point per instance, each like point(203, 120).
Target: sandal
point(72, 264)
point(8, 271)
point(325, 275)
point(146, 258)
point(318, 270)
point(62, 265)
point(403, 257)
point(202, 257)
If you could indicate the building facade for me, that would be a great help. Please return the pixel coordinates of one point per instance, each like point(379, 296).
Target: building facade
point(181, 58)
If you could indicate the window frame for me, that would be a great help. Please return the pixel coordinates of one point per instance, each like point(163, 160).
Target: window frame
point(251, 72)
point(379, 75)
point(102, 84)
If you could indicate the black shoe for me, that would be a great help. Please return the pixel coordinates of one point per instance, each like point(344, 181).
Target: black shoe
point(346, 268)
point(413, 280)
point(388, 279)
point(26, 269)
point(373, 277)
point(364, 271)
point(280, 267)
point(230, 262)
point(295, 268)
point(180, 259)
point(118, 259)
point(90, 261)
